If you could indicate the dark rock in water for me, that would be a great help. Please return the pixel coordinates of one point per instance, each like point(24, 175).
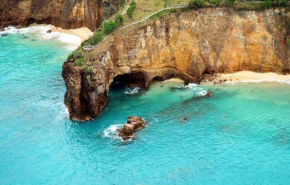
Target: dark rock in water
point(184, 120)
point(208, 93)
point(25, 37)
point(134, 123)
point(48, 31)
point(3, 34)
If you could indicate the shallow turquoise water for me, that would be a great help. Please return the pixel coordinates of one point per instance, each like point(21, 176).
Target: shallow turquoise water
point(240, 135)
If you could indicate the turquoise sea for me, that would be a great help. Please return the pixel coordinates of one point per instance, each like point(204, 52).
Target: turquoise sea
point(240, 135)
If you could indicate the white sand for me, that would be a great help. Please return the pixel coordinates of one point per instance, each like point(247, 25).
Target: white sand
point(173, 80)
point(84, 33)
point(248, 76)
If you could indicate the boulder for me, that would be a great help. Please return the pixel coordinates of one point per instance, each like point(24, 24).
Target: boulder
point(184, 120)
point(134, 123)
point(48, 31)
point(208, 93)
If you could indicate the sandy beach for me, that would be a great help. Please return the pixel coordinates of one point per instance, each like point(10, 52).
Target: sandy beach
point(177, 80)
point(248, 76)
point(84, 33)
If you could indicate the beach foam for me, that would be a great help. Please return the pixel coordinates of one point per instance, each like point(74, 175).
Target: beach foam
point(72, 41)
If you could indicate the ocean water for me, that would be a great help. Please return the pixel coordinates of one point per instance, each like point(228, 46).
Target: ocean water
point(240, 135)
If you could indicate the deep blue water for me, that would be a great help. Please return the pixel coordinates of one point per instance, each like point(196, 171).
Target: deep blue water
point(240, 135)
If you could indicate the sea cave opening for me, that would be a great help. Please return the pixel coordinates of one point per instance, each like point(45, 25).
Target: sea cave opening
point(129, 80)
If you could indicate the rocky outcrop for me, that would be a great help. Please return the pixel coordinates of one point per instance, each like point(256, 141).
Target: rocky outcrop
point(134, 123)
point(63, 13)
point(185, 45)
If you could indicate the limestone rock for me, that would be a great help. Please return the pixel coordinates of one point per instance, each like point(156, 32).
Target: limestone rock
point(61, 13)
point(185, 45)
point(134, 123)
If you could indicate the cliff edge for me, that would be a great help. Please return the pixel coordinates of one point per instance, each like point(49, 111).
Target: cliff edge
point(185, 45)
point(62, 13)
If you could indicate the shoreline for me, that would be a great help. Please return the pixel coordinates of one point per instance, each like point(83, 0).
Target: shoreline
point(247, 77)
point(83, 33)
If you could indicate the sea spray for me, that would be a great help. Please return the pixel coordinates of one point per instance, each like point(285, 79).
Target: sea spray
point(112, 131)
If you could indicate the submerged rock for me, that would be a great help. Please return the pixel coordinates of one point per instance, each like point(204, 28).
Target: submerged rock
point(184, 120)
point(3, 34)
point(208, 93)
point(134, 123)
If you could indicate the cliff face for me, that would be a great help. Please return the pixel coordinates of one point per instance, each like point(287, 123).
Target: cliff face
point(63, 13)
point(185, 45)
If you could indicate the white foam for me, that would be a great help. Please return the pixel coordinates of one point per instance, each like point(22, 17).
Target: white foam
point(72, 41)
point(191, 85)
point(112, 132)
point(201, 93)
point(135, 90)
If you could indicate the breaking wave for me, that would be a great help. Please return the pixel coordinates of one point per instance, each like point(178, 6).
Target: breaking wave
point(134, 90)
point(112, 132)
point(72, 41)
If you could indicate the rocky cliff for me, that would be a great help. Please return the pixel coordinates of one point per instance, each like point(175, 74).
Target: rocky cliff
point(185, 45)
point(62, 13)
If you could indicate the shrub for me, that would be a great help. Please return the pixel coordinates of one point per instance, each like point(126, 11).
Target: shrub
point(119, 19)
point(283, 3)
point(89, 79)
point(74, 55)
point(79, 62)
point(109, 26)
point(229, 2)
point(89, 70)
point(84, 67)
point(162, 13)
point(195, 3)
point(267, 4)
point(214, 2)
point(133, 3)
point(97, 37)
point(131, 9)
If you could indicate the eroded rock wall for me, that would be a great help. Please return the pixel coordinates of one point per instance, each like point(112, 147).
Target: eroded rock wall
point(63, 13)
point(186, 45)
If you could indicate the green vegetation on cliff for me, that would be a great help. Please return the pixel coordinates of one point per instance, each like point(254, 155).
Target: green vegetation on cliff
point(131, 9)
